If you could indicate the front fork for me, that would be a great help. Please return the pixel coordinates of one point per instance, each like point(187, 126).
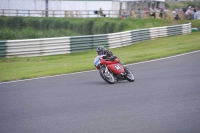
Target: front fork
point(106, 71)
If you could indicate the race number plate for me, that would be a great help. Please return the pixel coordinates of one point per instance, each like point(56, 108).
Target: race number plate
point(117, 67)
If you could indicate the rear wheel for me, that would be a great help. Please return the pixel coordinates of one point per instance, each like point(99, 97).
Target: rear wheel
point(129, 75)
point(107, 75)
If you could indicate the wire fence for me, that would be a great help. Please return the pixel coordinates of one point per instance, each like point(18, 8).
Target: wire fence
point(137, 14)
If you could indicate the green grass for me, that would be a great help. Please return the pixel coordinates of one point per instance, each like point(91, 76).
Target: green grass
point(25, 68)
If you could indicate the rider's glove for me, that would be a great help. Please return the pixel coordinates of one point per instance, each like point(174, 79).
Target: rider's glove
point(112, 58)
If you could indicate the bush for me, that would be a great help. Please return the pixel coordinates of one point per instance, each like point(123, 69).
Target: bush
point(120, 27)
point(31, 27)
point(28, 33)
point(88, 27)
point(36, 24)
point(166, 5)
point(46, 23)
point(58, 24)
point(71, 26)
point(96, 28)
point(65, 24)
point(7, 34)
point(2, 23)
point(81, 28)
point(104, 27)
point(193, 4)
point(111, 27)
point(15, 23)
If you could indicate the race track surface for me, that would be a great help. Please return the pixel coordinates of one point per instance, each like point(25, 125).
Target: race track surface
point(165, 98)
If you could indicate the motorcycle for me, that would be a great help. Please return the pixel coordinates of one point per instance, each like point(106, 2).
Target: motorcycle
point(112, 70)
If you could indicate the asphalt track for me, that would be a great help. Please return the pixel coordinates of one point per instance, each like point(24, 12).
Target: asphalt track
point(165, 98)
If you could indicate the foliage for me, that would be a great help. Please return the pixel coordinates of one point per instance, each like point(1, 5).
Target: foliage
point(193, 4)
point(15, 23)
point(120, 27)
point(31, 27)
point(111, 27)
point(2, 23)
point(184, 5)
point(166, 5)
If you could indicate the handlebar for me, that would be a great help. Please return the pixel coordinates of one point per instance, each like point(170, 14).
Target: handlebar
point(112, 58)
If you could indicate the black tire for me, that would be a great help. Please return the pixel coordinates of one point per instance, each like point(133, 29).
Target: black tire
point(129, 75)
point(110, 79)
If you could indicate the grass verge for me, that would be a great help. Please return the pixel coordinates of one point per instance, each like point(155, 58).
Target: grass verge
point(32, 67)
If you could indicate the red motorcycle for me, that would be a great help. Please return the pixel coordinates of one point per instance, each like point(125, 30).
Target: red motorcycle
point(112, 70)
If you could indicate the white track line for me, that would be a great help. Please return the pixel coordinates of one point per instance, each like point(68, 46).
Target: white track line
point(164, 58)
point(95, 70)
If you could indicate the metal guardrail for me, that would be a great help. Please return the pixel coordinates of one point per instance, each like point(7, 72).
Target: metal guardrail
point(64, 45)
point(35, 47)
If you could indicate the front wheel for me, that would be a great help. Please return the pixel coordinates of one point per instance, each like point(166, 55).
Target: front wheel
point(107, 75)
point(129, 75)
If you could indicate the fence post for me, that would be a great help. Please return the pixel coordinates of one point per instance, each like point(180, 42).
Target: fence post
point(43, 12)
point(29, 13)
point(183, 14)
point(17, 12)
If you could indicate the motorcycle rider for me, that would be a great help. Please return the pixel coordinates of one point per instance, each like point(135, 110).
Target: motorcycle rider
point(102, 51)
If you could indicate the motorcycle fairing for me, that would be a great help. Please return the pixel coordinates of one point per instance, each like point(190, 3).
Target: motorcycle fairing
point(116, 68)
point(97, 60)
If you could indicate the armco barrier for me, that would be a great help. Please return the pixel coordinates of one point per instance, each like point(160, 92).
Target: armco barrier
point(154, 33)
point(37, 47)
point(174, 30)
point(126, 38)
point(136, 37)
point(114, 40)
point(81, 43)
point(99, 40)
point(186, 28)
point(64, 45)
point(162, 31)
point(144, 34)
point(3, 48)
